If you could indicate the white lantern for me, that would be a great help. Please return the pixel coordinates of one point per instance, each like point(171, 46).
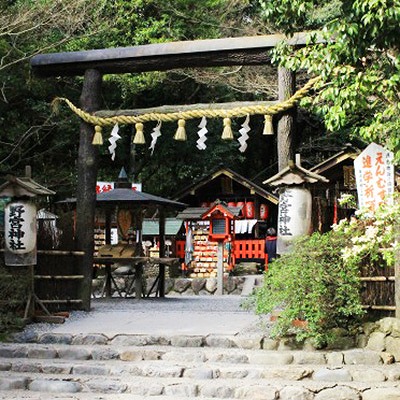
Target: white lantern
point(20, 227)
point(294, 216)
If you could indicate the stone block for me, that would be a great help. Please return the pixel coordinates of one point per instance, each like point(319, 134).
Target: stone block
point(338, 393)
point(187, 341)
point(133, 340)
point(42, 352)
point(72, 353)
point(198, 284)
point(131, 355)
point(90, 370)
point(393, 347)
point(90, 339)
point(295, 393)
point(248, 341)
point(390, 393)
point(104, 386)
point(162, 371)
point(233, 358)
point(376, 341)
point(13, 383)
point(214, 389)
point(5, 365)
point(181, 390)
point(55, 338)
point(334, 358)
point(199, 373)
point(211, 285)
point(53, 386)
point(270, 344)
point(256, 392)
point(388, 325)
point(332, 375)
point(271, 358)
point(104, 353)
point(305, 357)
point(368, 375)
point(362, 357)
point(26, 367)
point(236, 373)
point(220, 341)
point(182, 284)
point(294, 373)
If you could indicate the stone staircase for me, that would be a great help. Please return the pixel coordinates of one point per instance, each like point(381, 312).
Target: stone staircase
point(94, 366)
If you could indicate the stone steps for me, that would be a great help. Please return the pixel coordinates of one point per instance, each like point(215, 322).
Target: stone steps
point(187, 367)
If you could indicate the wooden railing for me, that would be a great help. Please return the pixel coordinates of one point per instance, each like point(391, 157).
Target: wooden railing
point(242, 250)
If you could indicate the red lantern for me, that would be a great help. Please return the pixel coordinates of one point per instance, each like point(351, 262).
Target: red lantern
point(249, 209)
point(264, 211)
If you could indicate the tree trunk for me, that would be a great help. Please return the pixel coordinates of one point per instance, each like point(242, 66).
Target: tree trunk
point(287, 120)
point(90, 101)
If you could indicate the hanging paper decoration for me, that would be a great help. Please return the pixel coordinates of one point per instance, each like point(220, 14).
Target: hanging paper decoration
point(154, 136)
point(243, 134)
point(114, 137)
point(268, 127)
point(201, 142)
point(227, 132)
point(181, 132)
point(139, 135)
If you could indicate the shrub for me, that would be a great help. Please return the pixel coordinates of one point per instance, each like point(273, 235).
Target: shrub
point(312, 283)
point(14, 289)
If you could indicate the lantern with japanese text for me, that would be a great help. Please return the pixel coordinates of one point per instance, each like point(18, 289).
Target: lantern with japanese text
point(20, 219)
point(20, 227)
point(264, 211)
point(249, 209)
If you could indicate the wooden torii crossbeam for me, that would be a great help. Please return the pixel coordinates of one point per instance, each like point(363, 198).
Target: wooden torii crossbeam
point(153, 57)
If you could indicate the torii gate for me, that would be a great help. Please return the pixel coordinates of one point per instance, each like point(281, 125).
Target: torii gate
point(93, 64)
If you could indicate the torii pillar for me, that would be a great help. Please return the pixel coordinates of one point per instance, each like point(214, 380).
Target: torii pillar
point(90, 101)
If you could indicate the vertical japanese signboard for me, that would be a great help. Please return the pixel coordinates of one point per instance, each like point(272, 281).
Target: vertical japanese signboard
point(294, 216)
point(374, 172)
point(20, 233)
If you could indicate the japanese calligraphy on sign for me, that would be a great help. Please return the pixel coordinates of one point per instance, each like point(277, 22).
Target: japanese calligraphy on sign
point(102, 187)
point(374, 172)
point(294, 216)
point(20, 227)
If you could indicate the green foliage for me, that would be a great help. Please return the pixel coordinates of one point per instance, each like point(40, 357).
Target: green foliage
point(13, 297)
point(359, 64)
point(312, 283)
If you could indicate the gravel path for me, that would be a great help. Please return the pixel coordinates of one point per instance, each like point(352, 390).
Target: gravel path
point(171, 315)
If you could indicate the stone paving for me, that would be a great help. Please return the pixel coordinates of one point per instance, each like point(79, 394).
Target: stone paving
point(47, 364)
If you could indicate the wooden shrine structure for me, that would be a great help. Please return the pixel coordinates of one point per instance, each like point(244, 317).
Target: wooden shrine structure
point(93, 64)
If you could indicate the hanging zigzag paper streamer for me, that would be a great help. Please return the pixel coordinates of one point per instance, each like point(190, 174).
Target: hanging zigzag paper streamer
point(243, 134)
point(154, 136)
point(113, 140)
point(201, 142)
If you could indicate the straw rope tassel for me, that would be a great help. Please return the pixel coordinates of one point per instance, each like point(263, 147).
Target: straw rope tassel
point(139, 135)
point(227, 133)
point(98, 137)
point(181, 132)
point(268, 126)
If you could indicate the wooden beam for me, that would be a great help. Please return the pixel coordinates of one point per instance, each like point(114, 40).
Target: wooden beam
point(249, 50)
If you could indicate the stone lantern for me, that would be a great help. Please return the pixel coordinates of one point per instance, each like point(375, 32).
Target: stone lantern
point(295, 202)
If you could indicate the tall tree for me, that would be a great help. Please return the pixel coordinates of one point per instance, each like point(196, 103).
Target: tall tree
point(359, 64)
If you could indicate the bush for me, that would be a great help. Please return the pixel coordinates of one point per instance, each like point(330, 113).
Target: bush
point(14, 289)
point(312, 283)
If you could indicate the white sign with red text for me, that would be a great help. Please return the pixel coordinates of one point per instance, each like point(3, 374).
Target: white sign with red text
point(374, 173)
point(102, 187)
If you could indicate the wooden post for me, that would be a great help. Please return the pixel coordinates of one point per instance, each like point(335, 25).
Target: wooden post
point(397, 272)
point(107, 283)
point(161, 239)
point(220, 269)
point(287, 120)
point(90, 101)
